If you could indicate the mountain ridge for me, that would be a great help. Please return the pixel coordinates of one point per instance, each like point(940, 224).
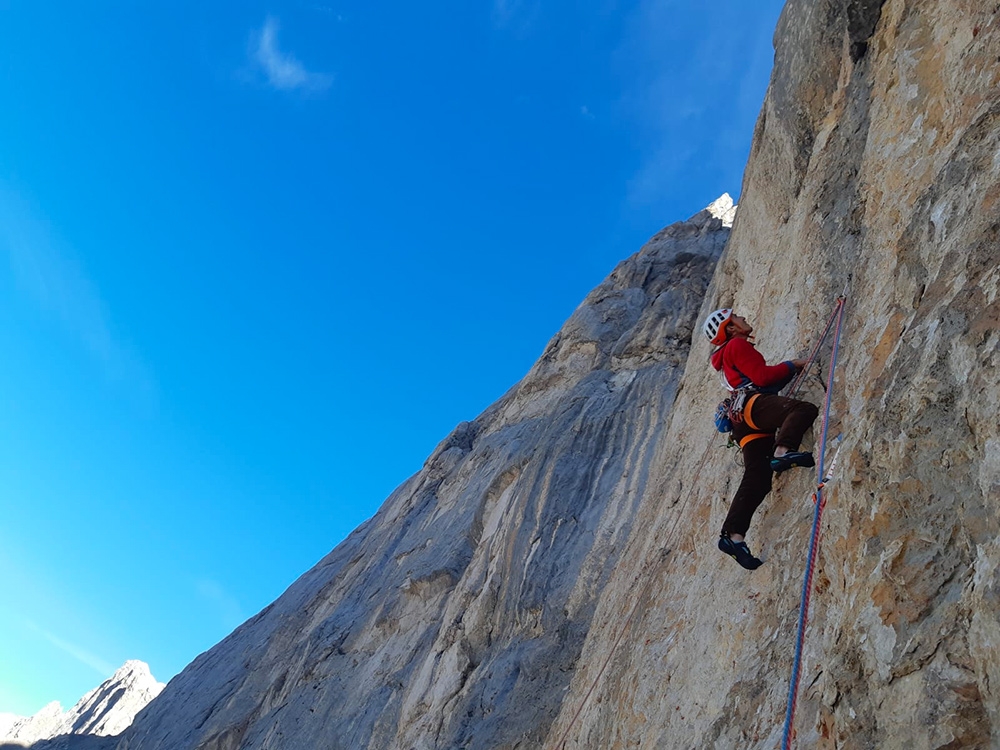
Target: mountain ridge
point(106, 710)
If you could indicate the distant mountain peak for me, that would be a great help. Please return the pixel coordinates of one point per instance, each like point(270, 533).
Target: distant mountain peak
point(108, 709)
point(723, 208)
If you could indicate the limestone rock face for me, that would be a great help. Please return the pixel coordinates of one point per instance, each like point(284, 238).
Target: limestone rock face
point(875, 169)
point(550, 578)
point(105, 710)
point(455, 617)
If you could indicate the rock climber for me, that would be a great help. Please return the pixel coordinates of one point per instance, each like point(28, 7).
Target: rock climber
point(769, 428)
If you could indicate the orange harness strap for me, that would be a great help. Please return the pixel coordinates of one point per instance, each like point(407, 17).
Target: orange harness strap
point(746, 412)
point(753, 436)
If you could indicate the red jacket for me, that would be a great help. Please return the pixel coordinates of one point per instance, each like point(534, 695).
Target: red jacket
point(743, 365)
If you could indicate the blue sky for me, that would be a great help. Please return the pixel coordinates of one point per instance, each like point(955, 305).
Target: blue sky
point(256, 260)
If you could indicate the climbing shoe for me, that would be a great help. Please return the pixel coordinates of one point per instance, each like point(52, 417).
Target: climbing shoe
point(741, 552)
point(790, 459)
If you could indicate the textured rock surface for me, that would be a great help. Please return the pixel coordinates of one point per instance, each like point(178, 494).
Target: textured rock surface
point(550, 578)
point(875, 164)
point(105, 710)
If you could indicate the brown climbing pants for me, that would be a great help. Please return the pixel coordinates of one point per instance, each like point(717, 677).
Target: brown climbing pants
point(768, 420)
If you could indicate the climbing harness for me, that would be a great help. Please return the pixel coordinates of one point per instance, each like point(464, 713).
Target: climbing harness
point(739, 401)
point(823, 477)
point(730, 410)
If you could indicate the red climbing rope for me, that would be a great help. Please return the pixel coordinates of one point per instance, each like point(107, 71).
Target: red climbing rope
point(797, 383)
point(822, 478)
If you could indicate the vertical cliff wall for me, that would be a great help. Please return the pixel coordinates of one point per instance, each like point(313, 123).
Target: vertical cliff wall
point(875, 167)
point(550, 578)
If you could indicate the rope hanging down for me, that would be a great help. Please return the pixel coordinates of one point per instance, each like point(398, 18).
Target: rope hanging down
point(820, 502)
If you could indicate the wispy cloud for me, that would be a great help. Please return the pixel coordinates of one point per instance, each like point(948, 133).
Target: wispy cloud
point(224, 605)
point(283, 71)
point(99, 665)
point(49, 274)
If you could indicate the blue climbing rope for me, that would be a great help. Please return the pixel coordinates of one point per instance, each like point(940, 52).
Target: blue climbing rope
point(820, 502)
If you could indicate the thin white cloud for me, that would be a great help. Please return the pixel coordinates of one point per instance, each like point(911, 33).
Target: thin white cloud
point(224, 606)
point(283, 71)
point(49, 274)
point(99, 665)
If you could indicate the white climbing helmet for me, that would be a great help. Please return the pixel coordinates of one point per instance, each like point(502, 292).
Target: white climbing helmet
point(715, 325)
